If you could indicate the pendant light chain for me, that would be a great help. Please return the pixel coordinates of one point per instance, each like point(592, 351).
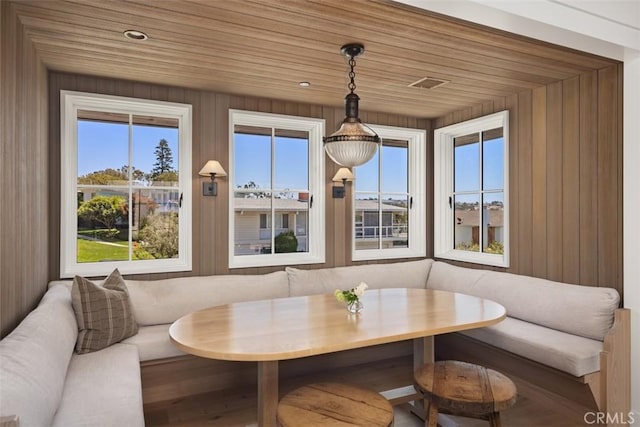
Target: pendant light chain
point(352, 74)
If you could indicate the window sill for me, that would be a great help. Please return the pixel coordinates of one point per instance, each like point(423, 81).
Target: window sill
point(93, 269)
point(475, 258)
point(268, 260)
point(380, 254)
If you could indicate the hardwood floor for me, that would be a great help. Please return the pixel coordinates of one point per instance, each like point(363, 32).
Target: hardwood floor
point(229, 408)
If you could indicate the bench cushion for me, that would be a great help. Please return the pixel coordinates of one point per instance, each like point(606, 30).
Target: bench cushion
point(412, 274)
point(586, 311)
point(157, 302)
point(34, 360)
point(153, 343)
point(569, 353)
point(102, 389)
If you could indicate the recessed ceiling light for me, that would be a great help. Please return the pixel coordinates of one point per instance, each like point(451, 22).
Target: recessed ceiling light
point(304, 84)
point(135, 35)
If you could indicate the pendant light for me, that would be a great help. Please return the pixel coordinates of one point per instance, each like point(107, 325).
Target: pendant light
point(354, 143)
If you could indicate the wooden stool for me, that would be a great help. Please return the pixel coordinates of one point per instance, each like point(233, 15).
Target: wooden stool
point(465, 389)
point(330, 404)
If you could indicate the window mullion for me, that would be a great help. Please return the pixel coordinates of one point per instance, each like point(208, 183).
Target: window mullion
point(380, 197)
point(450, 167)
point(130, 191)
point(481, 201)
point(273, 174)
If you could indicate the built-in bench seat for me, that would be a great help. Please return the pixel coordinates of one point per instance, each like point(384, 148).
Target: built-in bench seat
point(569, 353)
point(44, 383)
point(556, 324)
point(566, 329)
point(102, 389)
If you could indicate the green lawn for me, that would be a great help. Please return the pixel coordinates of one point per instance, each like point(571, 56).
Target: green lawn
point(93, 251)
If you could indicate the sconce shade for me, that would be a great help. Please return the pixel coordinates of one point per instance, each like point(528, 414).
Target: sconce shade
point(212, 167)
point(343, 174)
point(354, 143)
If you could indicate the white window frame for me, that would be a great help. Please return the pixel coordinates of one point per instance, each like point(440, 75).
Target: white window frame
point(417, 189)
point(70, 103)
point(316, 215)
point(443, 189)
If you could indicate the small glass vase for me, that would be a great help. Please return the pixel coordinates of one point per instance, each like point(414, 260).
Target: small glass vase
point(355, 306)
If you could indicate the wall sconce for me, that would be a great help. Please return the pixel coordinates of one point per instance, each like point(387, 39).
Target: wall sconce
point(211, 168)
point(344, 175)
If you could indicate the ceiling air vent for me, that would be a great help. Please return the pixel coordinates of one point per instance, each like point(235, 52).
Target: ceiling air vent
point(429, 83)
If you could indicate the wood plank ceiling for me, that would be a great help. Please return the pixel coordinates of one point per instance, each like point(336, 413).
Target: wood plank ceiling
point(265, 47)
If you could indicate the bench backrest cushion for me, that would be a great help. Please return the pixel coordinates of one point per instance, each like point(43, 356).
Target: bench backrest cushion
point(157, 302)
point(412, 274)
point(34, 360)
point(586, 311)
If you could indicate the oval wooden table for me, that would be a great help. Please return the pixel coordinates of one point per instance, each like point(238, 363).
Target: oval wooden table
point(267, 331)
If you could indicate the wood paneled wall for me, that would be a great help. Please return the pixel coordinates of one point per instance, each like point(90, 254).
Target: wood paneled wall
point(24, 209)
point(565, 163)
point(210, 141)
point(565, 177)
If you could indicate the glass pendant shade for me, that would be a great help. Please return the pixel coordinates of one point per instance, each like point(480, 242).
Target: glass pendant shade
point(352, 144)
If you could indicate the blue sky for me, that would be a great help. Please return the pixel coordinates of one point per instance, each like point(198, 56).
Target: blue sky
point(253, 163)
point(394, 172)
point(105, 145)
point(467, 173)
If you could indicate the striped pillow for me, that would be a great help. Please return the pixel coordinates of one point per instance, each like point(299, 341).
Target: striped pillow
point(104, 313)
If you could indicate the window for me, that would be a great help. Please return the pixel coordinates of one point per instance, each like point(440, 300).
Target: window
point(389, 213)
point(471, 217)
point(277, 174)
point(126, 182)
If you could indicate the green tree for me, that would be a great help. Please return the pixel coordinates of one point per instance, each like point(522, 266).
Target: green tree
point(110, 176)
point(103, 209)
point(165, 177)
point(164, 159)
point(102, 177)
point(286, 242)
point(136, 174)
point(495, 247)
point(159, 236)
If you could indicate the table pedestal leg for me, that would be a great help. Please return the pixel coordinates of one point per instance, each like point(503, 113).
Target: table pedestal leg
point(423, 352)
point(267, 393)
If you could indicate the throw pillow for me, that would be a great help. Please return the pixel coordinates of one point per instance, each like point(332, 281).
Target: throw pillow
point(104, 313)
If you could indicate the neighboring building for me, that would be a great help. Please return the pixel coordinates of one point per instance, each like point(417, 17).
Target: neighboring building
point(253, 223)
point(467, 226)
point(370, 234)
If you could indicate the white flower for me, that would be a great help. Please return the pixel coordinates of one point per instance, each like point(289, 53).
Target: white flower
point(359, 290)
